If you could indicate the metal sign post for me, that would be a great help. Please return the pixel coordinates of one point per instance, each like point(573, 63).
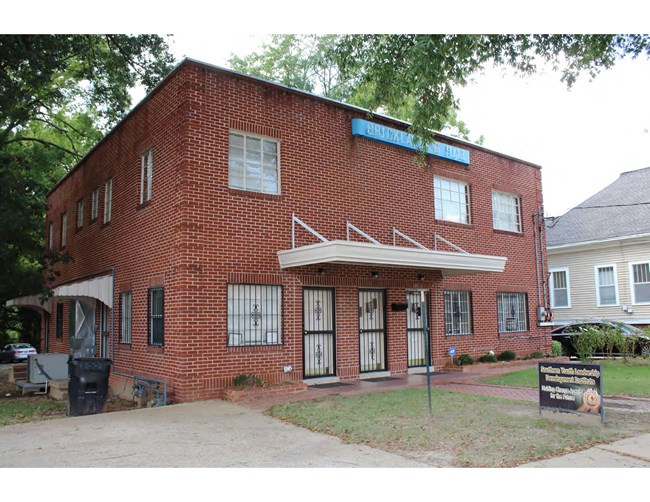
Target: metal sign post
point(423, 310)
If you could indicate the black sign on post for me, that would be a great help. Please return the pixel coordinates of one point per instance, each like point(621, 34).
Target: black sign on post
point(571, 388)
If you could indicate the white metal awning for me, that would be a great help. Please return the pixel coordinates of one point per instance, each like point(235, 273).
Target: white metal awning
point(361, 253)
point(99, 288)
point(32, 301)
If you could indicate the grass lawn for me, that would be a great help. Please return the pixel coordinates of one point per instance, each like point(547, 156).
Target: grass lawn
point(631, 378)
point(28, 409)
point(464, 430)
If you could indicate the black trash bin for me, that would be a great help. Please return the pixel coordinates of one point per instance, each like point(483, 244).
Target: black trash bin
point(87, 385)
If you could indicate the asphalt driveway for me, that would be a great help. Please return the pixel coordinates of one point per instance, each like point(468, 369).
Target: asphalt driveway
point(202, 434)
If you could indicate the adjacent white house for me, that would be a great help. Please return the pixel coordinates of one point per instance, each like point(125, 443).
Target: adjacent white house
point(599, 255)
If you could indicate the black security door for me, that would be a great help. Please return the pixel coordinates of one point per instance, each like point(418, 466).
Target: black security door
point(372, 330)
point(319, 349)
point(415, 329)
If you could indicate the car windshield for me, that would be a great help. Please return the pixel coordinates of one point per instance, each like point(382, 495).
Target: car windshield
point(627, 329)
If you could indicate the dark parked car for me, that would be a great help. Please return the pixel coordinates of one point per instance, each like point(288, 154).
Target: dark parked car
point(563, 335)
point(13, 352)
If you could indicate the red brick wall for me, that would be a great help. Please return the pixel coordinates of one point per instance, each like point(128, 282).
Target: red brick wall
point(197, 235)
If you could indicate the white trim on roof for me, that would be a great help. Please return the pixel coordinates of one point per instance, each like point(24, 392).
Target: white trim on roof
point(32, 301)
point(357, 253)
point(612, 240)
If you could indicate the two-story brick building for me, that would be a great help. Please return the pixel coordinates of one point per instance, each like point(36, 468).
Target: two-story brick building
point(228, 226)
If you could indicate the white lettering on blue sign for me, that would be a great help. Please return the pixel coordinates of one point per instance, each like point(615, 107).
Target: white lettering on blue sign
point(378, 132)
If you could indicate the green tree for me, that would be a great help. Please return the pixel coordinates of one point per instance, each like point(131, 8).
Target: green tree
point(58, 95)
point(425, 68)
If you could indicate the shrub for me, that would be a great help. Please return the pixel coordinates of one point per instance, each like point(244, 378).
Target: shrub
point(535, 355)
point(465, 360)
point(587, 341)
point(507, 355)
point(245, 380)
point(487, 358)
point(556, 348)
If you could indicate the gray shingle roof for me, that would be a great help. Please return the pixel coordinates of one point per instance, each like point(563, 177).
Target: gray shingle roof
point(620, 209)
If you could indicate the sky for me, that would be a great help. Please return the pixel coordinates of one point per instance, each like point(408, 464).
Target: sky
point(582, 138)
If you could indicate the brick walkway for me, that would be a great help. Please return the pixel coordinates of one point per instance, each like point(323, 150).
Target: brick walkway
point(466, 382)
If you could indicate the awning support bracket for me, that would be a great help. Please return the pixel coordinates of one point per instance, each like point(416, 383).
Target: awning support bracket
point(436, 237)
point(407, 238)
point(349, 226)
point(294, 220)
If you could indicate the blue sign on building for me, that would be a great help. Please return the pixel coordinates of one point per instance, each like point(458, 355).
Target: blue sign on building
point(402, 139)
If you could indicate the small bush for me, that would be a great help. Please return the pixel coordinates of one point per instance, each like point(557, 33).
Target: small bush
point(487, 358)
point(465, 360)
point(556, 348)
point(245, 380)
point(507, 355)
point(535, 355)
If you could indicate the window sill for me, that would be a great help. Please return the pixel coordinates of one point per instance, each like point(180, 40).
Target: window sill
point(256, 348)
point(509, 334)
point(105, 225)
point(143, 205)
point(469, 226)
point(254, 195)
point(458, 335)
point(508, 232)
point(155, 349)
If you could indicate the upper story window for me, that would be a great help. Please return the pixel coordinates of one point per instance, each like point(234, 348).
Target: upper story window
point(512, 312)
point(125, 316)
point(64, 229)
point(606, 285)
point(108, 200)
point(640, 278)
point(451, 199)
point(94, 204)
point(253, 164)
point(51, 237)
point(146, 176)
point(560, 291)
point(506, 212)
point(80, 213)
point(156, 316)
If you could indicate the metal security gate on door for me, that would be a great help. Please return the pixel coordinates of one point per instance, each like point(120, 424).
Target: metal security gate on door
point(372, 330)
point(415, 329)
point(319, 349)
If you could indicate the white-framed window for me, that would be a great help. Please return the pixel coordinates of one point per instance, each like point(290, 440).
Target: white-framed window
point(64, 229)
point(640, 281)
point(146, 176)
point(451, 200)
point(80, 213)
point(94, 204)
point(254, 314)
point(606, 285)
point(108, 200)
point(458, 313)
point(253, 163)
point(560, 288)
point(506, 211)
point(126, 299)
point(512, 312)
point(51, 237)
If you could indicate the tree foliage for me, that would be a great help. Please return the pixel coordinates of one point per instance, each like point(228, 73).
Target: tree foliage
point(425, 68)
point(312, 63)
point(58, 95)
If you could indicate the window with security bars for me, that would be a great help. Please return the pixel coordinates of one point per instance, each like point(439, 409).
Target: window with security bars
point(606, 286)
point(125, 316)
point(80, 213)
point(146, 176)
point(156, 316)
point(641, 282)
point(59, 320)
point(253, 164)
point(512, 312)
point(560, 289)
point(458, 313)
point(506, 212)
point(108, 200)
point(451, 200)
point(254, 314)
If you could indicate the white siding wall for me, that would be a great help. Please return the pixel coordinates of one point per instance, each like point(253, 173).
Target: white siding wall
point(582, 280)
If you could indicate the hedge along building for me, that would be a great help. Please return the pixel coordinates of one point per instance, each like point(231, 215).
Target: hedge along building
point(232, 226)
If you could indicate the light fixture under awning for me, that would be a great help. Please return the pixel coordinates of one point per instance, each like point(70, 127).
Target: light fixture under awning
point(348, 252)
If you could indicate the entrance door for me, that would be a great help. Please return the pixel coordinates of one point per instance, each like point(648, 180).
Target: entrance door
point(372, 330)
point(83, 341)
point(103, 332)
point(415, 329)
point(319, 349)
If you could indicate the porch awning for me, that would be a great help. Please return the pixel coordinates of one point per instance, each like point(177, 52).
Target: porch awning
point(100, 288)
point(32, 301)
point(358, 253)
